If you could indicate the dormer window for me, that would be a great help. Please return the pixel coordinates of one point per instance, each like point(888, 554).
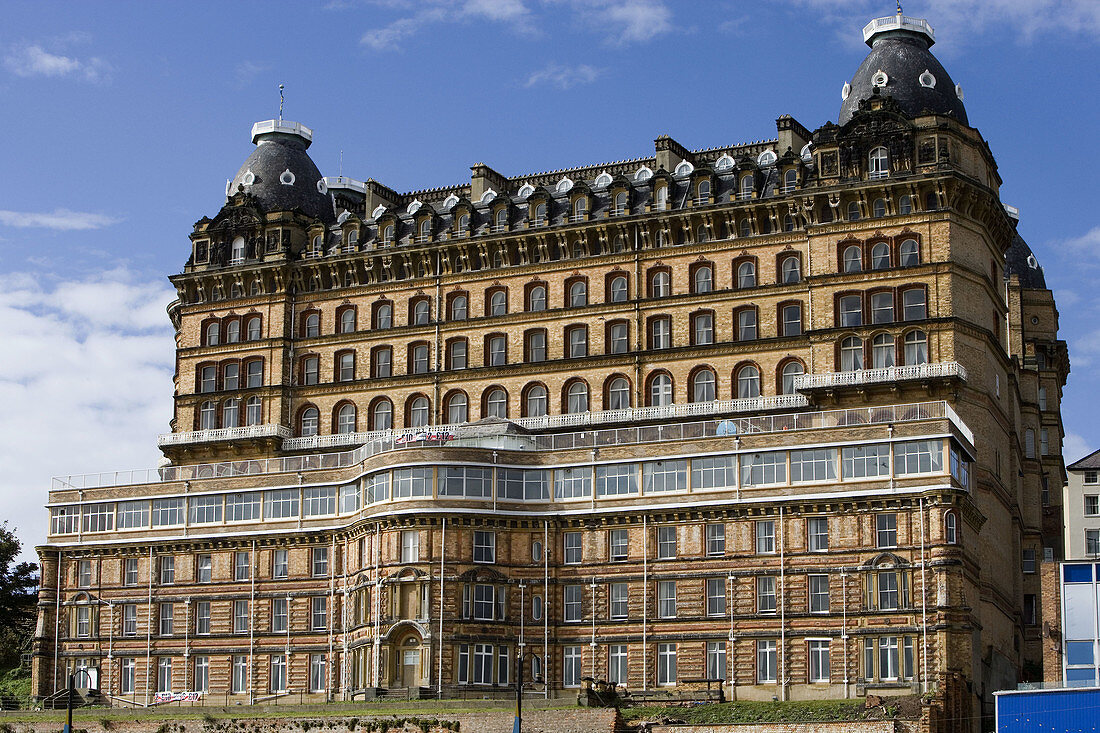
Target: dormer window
point(580, 209)
point(746, 187)
point(878, 163)
point(236, 251)
point(501, 223)
point(352, 242)
point(539, 216)
point(425, 231)
point(661, 198)
point(702, 193)
point(790, 180)
point(387, 234)
point(620, 204)
point(462, 225)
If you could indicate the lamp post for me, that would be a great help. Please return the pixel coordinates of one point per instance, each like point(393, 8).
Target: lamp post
point(517, 726)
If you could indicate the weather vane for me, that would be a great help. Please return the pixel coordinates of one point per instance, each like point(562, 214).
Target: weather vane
point(899, 7)
point(281, 92)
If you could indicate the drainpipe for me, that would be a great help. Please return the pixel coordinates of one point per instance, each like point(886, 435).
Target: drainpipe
point(439, 642)
point(782, 609)
point(923, 604)
point(251, 626)
point(331, 617)
point(545, 607)
point(844, 626)
point(645, 599)
point(57, 620)
point(149, 629)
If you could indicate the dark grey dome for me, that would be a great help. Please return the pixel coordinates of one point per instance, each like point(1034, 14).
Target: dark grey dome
point(280, 173)
point(1019, 260)
point(913, 77)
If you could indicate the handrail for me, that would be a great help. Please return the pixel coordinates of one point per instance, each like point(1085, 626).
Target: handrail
point(382, 441)
point(887, 374)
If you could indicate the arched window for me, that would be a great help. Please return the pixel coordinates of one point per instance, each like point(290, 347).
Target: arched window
point(457, 408)
point(496, 403)
point(787, 376)
point(916, 348)
point(501, 223)
point(660, 390)
point(790, 270)
point(931, 201)
point(353, 241)
point(253, 328)
point(536, 298)
point(347, 320)
point(703, 386)
point(540, 214)
point(748, 382)
point(498, 303)
point(213, 333)
point(880, 256)
point(790, 180)
point(618, 244)
point(253, 411)
point(317, 249)
point(387, 234)
point(462, 228)
point(661, 198)
point(878, 163)
point(745, 187)
point(534, 401)
point(701, 233)
point(458, 308)
point(236, 251)
point(422, 311)
point(312, 327)
point(345, 419)
point(576, 339)
point(703, 279)
point(950, 528)
point(208, 416)
point(619, 289)
point(576, 397)
point(233, 331)
point(578, 249)
point(383, 315)
point(746, 275)
point(882, 351)
point(426, 230)
point(788, 223)
point(231, 413)
point(580, 208)
point(909, 253)
point(905, 205)
point(419, 412)
point(746, 323)
point(853, 211)
point(702, 193)
point(851, 354)
point(578, 294)
point(381, 416)
point(308, 422)
point(878, 208)
point(618, 394)
point(853, 258)
point(660, 284)
point(745, 227)
point(620, 203)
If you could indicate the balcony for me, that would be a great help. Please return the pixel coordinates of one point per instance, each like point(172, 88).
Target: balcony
point(643, 414)
point(887, 375)
point(248, 432)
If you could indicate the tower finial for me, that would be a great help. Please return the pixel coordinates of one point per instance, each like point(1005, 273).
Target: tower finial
point(899, 7)
point(281, 91)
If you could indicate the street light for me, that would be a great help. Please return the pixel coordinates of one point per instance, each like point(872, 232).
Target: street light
point(520, 656)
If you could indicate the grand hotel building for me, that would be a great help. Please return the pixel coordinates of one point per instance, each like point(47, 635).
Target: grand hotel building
point(781, 414)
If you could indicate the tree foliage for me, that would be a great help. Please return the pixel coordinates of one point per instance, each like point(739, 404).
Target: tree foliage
point(18, 586)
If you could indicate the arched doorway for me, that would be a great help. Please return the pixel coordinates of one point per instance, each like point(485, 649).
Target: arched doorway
point(406, 661)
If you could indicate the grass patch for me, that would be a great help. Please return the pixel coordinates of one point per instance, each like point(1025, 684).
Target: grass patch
point(751, 711)
point(16, 683)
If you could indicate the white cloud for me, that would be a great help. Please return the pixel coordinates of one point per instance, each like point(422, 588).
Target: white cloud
point(60, 219)
point(246, 71)
point(563, 77)
point(85, 380)
point(1074, 448)
point(1027, 18)
point(1087, 242)
point(634, 21)
point(33, 60)
point(512, 12)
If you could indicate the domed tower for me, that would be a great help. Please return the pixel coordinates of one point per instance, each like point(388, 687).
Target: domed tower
point(901, 67)
point(279, 173)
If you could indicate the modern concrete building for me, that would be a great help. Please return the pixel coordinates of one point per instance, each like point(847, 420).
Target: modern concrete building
point(764, 414)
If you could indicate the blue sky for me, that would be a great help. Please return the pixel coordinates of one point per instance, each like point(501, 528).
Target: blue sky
point(123, 121)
